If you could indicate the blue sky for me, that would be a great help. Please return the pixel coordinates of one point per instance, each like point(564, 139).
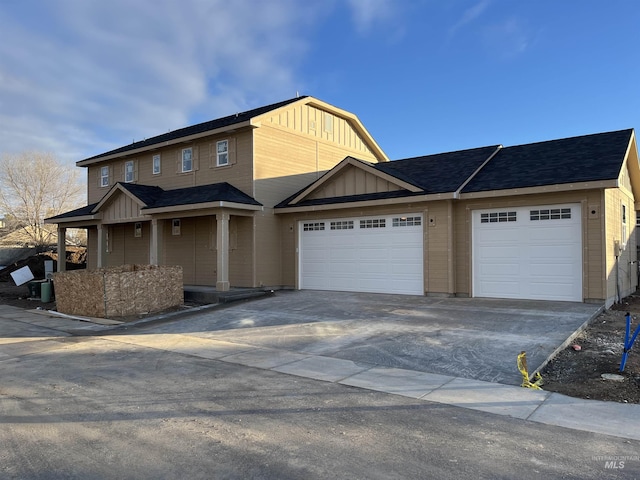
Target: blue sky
point(80, 77)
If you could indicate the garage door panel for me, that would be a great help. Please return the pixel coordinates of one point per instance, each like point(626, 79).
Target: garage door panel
point(529, 258)
point(382, 259)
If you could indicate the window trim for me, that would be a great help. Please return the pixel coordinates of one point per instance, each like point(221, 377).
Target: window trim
point(104, 176)
point(127, 164)
point(153, 164)
point(184, 150)
point(224, 153)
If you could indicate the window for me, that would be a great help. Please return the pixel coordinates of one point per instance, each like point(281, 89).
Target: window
point(128, 171)
point(498, 217)
point(137, 229)
point(187, 159)
point(328, 123)
point(156, 164)
point(175, 227)
point(373, 223)
point(309, 227)
point(407, 221)
point(550, 214)
point(222, 153)
point(343, 225)
point(104, 176)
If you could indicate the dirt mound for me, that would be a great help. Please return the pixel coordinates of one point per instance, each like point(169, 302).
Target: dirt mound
point(76, 259)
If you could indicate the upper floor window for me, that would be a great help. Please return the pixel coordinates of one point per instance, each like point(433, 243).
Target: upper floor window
point(222, 153)
point(625, 236)
point(156, 164)
point(187, 159)
point(128, 171)
point(104, 176)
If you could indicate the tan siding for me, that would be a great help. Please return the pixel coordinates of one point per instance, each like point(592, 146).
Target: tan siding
point(92, 248)
point(122, 208)
point(205, 259)
point(621, 273)
point(268, 247)
point(321, 125)
point(438, 233)
point(238, 173)
point(241, 252)
point(285, 162)
point(352, 181)
point(180, 249)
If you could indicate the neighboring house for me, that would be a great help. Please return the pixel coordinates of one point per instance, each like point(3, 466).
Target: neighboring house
point(202, 197)
point(298, 195)
point(551, 221)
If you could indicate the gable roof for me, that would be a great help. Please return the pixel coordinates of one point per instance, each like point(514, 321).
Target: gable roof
point(216, 192)
point(587, 158)
point(199, 128)
point(425, 175)
point(573, 162)
point(440, 173)
point(155, 199)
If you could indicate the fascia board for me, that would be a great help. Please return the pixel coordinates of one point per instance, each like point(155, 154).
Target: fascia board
point(368, 203)
point(564, 187)
point(81, 218)
point(202, 206)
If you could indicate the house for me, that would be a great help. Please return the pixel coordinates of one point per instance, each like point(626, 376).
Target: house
point(299, 195)
point(202, 197)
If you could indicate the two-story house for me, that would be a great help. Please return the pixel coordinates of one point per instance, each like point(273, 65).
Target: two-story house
point(202, 196)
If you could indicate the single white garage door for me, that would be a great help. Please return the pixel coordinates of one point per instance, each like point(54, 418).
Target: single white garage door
point(364, 254)
point(528, 252)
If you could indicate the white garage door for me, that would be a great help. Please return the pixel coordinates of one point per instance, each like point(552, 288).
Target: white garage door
point(364, 254)
point(528, 252)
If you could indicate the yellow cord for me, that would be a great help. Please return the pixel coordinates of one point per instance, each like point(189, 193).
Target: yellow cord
point(522, 366)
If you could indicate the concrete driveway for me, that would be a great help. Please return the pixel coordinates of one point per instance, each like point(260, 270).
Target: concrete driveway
point(469, 338)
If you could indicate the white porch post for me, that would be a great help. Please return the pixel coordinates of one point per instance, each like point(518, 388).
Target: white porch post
point(222, 237)
point(155, 243)
point(100, 253)
point(62, 249)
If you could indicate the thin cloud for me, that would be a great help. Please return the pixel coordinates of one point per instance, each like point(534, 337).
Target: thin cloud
point(368, 13)
point(105, 73)
point(469, 16)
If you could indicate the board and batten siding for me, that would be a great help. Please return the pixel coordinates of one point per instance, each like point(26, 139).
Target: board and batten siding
point(287, 161)
point(125, 247)
point(353, 181)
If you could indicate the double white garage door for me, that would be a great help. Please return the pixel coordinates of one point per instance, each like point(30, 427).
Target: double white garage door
point(365, 254)
point(524, 252)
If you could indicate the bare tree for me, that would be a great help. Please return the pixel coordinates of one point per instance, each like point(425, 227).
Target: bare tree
point(34, 186)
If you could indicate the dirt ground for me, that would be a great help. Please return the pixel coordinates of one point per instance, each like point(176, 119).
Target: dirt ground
point(574, 372)
point(578, 373)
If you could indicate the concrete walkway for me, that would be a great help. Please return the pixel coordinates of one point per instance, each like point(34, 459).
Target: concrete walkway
point(31, 329)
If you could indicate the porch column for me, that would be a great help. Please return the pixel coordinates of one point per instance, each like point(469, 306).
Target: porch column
point(62, 249)
point(100, 252)
point(155, 244)
point(222, 237)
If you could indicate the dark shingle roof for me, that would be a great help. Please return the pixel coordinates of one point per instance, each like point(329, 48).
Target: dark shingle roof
point(199, 128)
point(441, 173)
point(578, 159)
point(78, 212)
point(217, 192)
point(146, 193)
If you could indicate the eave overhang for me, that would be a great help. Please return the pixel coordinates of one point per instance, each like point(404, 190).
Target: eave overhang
point(367, 203)
point(565, 187)
point(202, 206)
